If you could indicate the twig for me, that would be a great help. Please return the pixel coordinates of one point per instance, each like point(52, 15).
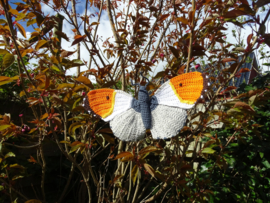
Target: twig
point(73, 4)
point(191, 37)
point(16, 191)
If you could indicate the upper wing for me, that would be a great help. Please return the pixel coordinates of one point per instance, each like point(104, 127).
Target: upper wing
point(108, 103)
point(182, 91)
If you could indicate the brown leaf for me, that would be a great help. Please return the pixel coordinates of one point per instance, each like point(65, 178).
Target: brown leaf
point(122, 154)
point(163, 17)
point(3, 78)
point(229, 89)
point(3, 51)
point(261, 3)
point(159, 74)
point(21, 29)
point(245, 2)
point(149, 169)
point(249, 39)
point(47, 82)
point(44, 116)
point(78, 38)
point(67, 53)
point(134, 174)
point(183, 20)
point(128, 158)
point(57, 3)
point(40, 44)
point(174, 51)
point(244, 70)
point(116, 178)
point(228, 59)
point(106, 130)
point(181, 69)
point(61, 34)
point(148, 150)
point(32, 159)
point(243, 105)
point(109, 139)
point(109, 84)
point(234, 14)
point(85, 81)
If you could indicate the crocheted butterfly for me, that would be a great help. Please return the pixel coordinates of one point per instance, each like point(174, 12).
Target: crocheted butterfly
point(164, 113)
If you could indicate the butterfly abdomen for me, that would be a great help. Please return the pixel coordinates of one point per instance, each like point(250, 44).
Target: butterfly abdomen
point(144, 101)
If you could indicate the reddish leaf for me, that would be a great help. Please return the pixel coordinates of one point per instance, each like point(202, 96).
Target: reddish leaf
point(249, 39)
point(243, 70)
point(243, 105)
point(57, 4)
point(149, 169)
point(116, 178)
point(40, 44)
point(163, 17)
point(183, 20)
point(85, 81)
point(261, 3)
point(78, 38)
point(2, 78)
point(128, 158)
point(159, 74)
point(123, 154)
point(32, 159)
point(21, 29)
point(67, 53)
point(174, 51)
point(234, 14)
point(63, 35)
point(148, 150)
point(181, 69)
point(228, 59)
point(245, 2)
point(229, 89)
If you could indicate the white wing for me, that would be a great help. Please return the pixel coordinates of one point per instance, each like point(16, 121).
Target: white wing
point(123, 102)
point(128, 126)
point(166, 96)
point(167, 121)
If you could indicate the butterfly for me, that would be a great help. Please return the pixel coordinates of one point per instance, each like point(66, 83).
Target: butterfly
point(164, 114)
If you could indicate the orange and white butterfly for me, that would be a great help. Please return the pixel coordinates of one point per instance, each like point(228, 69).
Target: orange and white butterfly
point(164, 113)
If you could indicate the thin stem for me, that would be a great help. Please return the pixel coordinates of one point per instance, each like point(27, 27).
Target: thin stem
point(191, 37)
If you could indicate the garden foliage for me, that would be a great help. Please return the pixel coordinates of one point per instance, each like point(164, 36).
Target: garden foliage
point(52, 150)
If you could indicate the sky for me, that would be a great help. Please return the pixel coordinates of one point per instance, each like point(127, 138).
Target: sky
point(105, 31)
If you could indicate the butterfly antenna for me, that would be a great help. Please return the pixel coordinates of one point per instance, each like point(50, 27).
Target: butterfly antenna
point(148, 81)
point(131, 81)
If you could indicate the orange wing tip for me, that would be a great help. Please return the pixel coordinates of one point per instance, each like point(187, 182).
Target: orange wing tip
point(189, 87)
point(101, 102)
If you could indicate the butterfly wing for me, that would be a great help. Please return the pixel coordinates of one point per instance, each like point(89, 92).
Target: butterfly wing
point(128, 126)
point(182, 91)
point(167, 121)
point(170, 101)
point(108, 103)
point(121, 109)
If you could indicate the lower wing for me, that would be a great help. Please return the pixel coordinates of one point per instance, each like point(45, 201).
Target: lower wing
point(128, 126)
point(121, 109)
point(167, 121)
